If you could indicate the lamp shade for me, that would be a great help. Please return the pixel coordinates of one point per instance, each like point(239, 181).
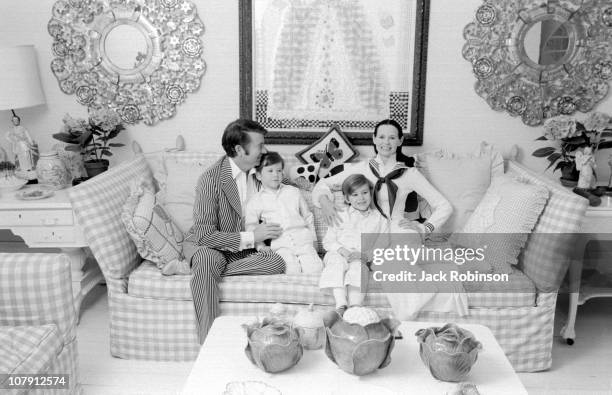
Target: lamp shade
point(19, 80)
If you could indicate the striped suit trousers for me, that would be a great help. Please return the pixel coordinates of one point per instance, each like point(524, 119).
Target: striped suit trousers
point(209, 265)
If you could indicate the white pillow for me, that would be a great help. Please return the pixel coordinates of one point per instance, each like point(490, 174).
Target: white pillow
point(462, 178)
point(182, 170)
point(503, 220)
point(156, 237)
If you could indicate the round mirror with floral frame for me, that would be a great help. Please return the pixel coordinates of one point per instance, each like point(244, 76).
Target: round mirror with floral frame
point(540, 58)
point(138, 57)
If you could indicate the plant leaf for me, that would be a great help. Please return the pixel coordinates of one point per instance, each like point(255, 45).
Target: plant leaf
point(106, 153)
point(606, 134)
point(64, 137)
point(605, 144)
point(73, 148)
point(541, 138)
point(543, 152)
point(552, 158)
point(116, 145)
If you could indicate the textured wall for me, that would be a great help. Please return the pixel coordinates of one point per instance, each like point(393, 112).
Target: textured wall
point(455, 116)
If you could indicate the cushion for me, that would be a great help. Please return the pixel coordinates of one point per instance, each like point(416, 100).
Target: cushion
point(178, 182)
point(462, 179)
point(503, 220)
point(157, 238)
point(330, 151)
point(147, 282)
point(28, 349)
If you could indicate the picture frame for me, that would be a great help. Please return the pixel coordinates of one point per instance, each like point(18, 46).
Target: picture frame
point(396, 93)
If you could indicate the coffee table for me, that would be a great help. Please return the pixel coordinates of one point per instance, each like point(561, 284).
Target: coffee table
point(222, 360)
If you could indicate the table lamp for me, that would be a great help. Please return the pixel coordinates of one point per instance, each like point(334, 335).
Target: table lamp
point(19, 88)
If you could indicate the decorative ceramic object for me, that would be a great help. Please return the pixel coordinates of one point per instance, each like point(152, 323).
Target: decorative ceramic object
point(72, 160)
point(310, 326)
point(358, 349)
point(51, 171)
point(360, 315)
point(273, 346)
point(449, 352)
point(585, 162)
point(95, 167)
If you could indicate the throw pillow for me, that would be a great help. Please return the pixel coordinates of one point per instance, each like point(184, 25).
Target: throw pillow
point(462, 179)
point(156, 237)
point(330, 151)
point(178, 189)
point(503, 220)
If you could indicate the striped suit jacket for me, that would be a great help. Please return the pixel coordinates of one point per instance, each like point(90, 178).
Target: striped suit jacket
point(217, 212)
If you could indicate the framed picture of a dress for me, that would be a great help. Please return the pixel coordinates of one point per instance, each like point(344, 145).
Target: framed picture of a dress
point(306, 65)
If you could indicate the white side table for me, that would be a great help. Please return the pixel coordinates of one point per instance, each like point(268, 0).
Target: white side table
point(596, 225)
point(50, 223)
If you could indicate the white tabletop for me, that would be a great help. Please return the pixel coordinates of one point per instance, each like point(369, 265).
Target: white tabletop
point(59, 200)
point(222, 360)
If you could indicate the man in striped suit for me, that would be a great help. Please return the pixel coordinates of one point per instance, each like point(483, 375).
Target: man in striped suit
point(217, 244)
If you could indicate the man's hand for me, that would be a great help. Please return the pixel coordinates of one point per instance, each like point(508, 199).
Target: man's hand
point(415, 226)
point(330, 215)
point(266, 231)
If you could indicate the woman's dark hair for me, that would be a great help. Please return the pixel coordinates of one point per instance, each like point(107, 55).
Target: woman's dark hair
point(236, 134)
point(399, 155)
point(354, 181)
point(268, 159)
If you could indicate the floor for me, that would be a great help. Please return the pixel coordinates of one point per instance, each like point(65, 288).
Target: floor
point(584, 368)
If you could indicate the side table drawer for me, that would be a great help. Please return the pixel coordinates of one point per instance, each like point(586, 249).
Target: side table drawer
point(58, 236)
point(37, 217)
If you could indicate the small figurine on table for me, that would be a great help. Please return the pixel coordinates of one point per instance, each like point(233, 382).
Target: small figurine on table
point(585, 163)
point(24, 149)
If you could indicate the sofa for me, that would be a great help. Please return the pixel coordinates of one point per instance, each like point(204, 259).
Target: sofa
point(37, 319)
point(152, 316)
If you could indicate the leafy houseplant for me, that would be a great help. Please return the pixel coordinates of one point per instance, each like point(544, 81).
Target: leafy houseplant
point(573, 136)
point(90, 137)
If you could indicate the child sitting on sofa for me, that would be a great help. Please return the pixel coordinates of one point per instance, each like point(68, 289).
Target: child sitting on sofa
point(343, 260)
point(284, 204)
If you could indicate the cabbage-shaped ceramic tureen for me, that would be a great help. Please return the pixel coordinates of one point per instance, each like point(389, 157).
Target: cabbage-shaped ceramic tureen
point(449, 352)
point(359, 349)
point(273, 345)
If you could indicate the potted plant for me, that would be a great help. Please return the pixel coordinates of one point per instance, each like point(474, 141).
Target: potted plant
point(573, 136)
point(90, 137)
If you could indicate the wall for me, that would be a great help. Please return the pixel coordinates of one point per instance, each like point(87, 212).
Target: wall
point(455, 116)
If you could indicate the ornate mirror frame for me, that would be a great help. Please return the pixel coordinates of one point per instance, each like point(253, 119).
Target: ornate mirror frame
point(305, 131)
point(509, 80)
point(160, 79)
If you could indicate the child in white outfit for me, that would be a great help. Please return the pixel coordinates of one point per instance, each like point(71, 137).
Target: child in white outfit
point(284, 204)
point(343, 261)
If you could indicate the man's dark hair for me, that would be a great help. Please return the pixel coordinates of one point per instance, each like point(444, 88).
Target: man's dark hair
point(268, 159)
point(236, 134)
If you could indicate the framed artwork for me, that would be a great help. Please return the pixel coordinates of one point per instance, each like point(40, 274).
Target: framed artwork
point(307, 65)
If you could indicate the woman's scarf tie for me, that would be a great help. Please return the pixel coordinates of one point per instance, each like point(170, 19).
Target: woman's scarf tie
point(391, 187)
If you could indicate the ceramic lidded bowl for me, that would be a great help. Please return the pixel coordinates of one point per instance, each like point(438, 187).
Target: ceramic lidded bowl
point(310, 326)
point(449, 351)
point(273, 346)
point(359, 349)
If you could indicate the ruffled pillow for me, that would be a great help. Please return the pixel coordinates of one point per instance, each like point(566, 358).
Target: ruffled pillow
point(463, 179)
point(503, 220)
point(150, 227)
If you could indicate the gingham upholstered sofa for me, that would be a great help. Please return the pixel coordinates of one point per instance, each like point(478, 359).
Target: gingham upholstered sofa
point(37, 319)
point(152, 317)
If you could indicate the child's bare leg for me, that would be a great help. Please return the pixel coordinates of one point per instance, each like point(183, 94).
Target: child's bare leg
point(355, 297)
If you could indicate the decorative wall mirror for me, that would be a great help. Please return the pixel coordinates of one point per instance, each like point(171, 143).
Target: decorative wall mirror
point(140, 58)
point(537, 59)
point(308, 65)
